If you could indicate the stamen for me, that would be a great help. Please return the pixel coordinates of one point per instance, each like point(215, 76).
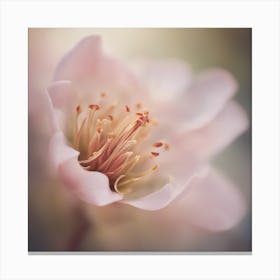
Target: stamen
point(94, 156)
point(158, 144)
point(127, 108)
point(78, 109)
point(131, 178)
point(78, 112)
point(110, 141)
point(119, 164)
point(94, 106)
point(116, 153)
point(78, 135)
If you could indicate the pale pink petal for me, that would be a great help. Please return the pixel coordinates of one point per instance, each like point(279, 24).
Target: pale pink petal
point(214, 203)
point(178, 162)
point(81, 62)
point(94, 72)
point(155, 200)
point(41, 113)
point(90, 186)
point(164, 196)
point(213, 138)
point(63, 95)
point(64, 98)
point(59, 150)
point(165, 79)
point(205, 98)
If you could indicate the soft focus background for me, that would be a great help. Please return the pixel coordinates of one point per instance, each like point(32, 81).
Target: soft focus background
point(52, 215)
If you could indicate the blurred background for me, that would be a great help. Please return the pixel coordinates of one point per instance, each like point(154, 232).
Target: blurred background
point(52, 215)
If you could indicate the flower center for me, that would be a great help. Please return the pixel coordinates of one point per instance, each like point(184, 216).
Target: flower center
point(112, 140)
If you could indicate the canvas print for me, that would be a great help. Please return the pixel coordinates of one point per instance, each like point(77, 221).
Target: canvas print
point(139, 140)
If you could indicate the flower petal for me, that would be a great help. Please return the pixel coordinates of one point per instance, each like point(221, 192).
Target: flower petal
point(165, 79)
point(205, 98)
point(90, 186)
point(81, 61)
point(41, 113)
point(164, 196)
point(93, 72)
point(59, 150)
point(62, 95)
point(214, 204)
point(64, 99)
point(213, 138)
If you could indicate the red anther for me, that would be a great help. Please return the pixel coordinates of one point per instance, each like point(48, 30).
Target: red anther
point(99, 130)
point(78, 109)
point(138, 123)
point(139, 114)
point(127, 108)
point(155, 154)
point(158, 144)
point(144, 119)
point(94, 106)
point(110, 117)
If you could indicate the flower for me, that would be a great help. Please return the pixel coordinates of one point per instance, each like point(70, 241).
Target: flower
point(143, 136)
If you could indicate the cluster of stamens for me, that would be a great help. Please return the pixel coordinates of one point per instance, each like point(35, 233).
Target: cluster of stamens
point(110, 140)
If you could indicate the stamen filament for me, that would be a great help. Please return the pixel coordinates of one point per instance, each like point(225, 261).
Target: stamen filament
point(114, 144)
point(133, 177)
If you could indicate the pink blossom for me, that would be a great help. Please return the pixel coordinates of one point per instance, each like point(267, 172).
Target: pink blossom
point(143, 136)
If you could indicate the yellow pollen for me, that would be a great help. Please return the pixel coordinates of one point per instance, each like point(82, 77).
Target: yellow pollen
point(115, 145)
